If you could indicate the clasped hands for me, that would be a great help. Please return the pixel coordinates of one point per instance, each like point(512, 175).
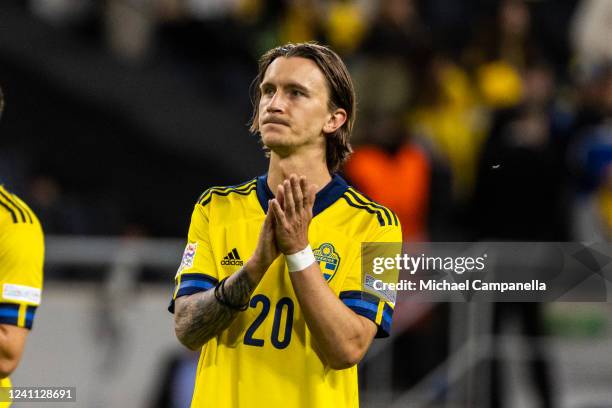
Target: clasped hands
point(285, 229)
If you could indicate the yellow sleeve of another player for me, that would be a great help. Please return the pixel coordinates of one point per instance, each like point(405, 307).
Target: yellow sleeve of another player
point(21, 272)
point(197, 271)
point(356, 292)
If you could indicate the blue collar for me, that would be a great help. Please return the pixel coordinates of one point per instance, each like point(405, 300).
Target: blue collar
point(326, 197)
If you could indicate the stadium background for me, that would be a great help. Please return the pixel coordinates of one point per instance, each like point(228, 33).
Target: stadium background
point(477, 120)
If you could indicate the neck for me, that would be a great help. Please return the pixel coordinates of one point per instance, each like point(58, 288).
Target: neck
point(313, 168)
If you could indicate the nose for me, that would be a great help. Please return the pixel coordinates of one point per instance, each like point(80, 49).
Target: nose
point(276, 103)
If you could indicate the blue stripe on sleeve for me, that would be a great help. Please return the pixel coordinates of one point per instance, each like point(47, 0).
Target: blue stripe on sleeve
point(192, 286)
point(29, 320)
point(8, 320)
point(360, 303)
point(366, 304)
point(9, 313)
point(385, 325)
point(367, 313)
point(193, 283)
point(357, 294)
point(198, 277)
point(205, 285)
point(362, 308)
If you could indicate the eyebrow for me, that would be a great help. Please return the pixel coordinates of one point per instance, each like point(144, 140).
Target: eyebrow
point(290, 85)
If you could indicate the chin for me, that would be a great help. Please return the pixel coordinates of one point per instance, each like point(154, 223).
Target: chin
point(281, 148)
point(274, 139)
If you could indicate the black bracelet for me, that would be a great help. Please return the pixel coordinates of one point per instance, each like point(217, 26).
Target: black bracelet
point(222, 299)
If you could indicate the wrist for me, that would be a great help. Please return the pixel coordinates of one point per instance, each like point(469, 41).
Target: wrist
point(255, 268)
point(300, 260)
point(293, 249)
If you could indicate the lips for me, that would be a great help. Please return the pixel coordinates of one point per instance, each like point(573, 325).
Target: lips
point(275, 121)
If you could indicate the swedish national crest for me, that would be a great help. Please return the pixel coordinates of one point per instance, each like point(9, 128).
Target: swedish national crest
point(328, 259)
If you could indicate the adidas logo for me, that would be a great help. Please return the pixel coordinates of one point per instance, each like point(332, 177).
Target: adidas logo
point(232, 258)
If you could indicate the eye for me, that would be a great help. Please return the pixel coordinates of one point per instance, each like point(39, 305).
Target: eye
point(268, 91)
point(297, 92)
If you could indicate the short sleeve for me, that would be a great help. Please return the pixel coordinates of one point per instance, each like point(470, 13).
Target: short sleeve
point(356, 293)
point(197, 272)
point(21, 272)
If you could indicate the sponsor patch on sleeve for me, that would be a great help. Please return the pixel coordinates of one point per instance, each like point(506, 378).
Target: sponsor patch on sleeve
point(21, 293)
point(188, 256)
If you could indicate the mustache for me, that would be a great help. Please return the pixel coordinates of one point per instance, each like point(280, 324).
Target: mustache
point(275, 119)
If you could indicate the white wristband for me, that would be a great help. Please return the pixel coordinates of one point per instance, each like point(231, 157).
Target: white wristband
point(300, 260)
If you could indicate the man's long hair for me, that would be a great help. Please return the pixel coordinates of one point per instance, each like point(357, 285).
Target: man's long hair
point(341, 94)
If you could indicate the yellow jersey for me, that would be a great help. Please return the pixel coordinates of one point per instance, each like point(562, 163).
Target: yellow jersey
point(267, 356)
point(21, 265)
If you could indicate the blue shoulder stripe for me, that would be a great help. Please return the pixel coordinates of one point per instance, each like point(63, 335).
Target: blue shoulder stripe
point(10, 210)
point(224, 188)
point(226, 193)
point(22, 207)
point(371, 205)
point(242, 189)
point(368, 201)
point(10, 202)
point(18, 210)
point(364, 207)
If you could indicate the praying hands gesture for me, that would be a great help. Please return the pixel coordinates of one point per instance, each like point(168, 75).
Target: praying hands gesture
point(292, 211)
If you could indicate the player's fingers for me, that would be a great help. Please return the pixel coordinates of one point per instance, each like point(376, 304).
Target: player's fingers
point(298, 197)
point(311, 195)
point(269, 220)
point(280, 195)
point(289, 201)
point(279, 214)
point(273, 211)
point(304, 188)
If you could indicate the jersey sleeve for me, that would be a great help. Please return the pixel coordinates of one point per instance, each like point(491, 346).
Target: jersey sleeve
point(21, 272)
point(197, 272)
point(357, 293)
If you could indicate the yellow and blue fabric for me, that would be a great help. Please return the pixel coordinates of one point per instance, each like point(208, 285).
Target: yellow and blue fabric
point(21, 264)
point(268, 351)
point(368, 305)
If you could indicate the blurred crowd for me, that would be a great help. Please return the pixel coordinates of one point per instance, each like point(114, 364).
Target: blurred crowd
point(477, 119)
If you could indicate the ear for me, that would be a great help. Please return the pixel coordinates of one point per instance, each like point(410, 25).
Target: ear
point(335, 121)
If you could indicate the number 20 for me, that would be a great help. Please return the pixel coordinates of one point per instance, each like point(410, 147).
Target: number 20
point(278, 313)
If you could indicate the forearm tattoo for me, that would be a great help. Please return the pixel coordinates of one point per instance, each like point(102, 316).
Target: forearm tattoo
point(202, 317)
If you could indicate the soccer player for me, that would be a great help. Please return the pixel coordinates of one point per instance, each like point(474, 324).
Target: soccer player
point(21, 276)
point(270, 284)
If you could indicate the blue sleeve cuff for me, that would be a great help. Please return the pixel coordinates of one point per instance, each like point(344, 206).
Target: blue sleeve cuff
point(366, 305)
point(190, 283)
point(9, 314)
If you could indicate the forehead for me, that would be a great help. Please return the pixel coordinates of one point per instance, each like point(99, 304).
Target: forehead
point(295, 70)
